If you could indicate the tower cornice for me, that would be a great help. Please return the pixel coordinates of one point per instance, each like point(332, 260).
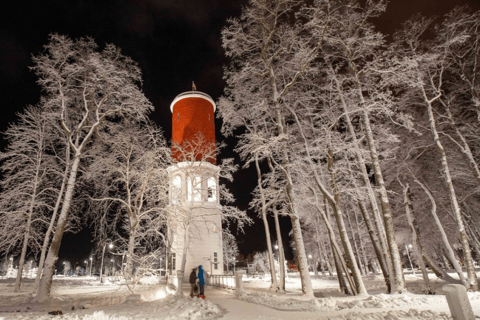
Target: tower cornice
point(193, 94)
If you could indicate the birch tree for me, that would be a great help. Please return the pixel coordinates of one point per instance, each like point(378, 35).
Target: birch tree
point(85, 88)
point(425, 75)
point(261, 44)
point(130, 169)
point(353, 46)
point(27, 193)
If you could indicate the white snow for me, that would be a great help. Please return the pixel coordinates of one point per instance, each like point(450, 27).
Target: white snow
point(94, 301)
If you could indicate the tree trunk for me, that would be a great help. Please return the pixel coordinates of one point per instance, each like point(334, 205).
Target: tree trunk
point(45, 286)
point(362, 247)
point(464, 147)
point(338, 266)
point(281, 256)
point(46, 240)
point(417, 243)
point(355, 246)
point(21, 263)
point(307, 289)
point(386, 259)
point(472, 277)
point(397, 280)
point(446, 243)
point(131, 252)
point(273, 276)
point(379, 252)
point(327, 259)
point(336, 252)
point(337, 212)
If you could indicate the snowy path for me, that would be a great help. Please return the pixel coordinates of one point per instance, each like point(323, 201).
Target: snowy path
point(240, 310)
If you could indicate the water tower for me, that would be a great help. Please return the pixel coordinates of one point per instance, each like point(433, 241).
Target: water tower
point(193, 193)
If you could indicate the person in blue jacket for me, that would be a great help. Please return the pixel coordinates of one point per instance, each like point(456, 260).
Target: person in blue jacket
point(201, 279)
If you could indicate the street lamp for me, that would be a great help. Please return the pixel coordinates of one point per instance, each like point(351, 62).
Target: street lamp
point(110, 246)
point(91, 262)
point(123, 256)
point(86, 265)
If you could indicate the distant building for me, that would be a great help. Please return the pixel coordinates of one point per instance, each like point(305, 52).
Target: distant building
point(194, 186)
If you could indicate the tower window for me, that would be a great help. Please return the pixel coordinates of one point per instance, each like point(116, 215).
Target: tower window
point(174, 261)
point(215, 260)
point(176, 189)
point(209, 117)
point(194, 188)
point(212, 189)
point(178, 117)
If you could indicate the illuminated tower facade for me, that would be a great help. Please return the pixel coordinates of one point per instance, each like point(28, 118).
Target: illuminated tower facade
point(194, 199)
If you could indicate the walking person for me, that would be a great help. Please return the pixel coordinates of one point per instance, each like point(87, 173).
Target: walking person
point(193, 280)
point(201, 280)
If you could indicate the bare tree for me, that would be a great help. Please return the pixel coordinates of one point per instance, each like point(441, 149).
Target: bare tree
point(230, 248)
point(268, 58)
point(130, 171)
point(425, 74)
point(84, 88)
point(27, 188)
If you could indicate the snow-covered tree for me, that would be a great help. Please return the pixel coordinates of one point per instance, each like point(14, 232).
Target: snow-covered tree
point(268, 58)
point(26, 190)
point(129, 171)
point(425, 73)
point(261, 262)
point(85, 89)
point(230, 248)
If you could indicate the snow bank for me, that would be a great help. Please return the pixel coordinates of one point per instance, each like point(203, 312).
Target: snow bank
point(182, 308)
point(99, 315)
point(288, 304)
point(388, 301)
point(394, 315)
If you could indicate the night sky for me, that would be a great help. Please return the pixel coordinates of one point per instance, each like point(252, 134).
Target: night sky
point(175, 42)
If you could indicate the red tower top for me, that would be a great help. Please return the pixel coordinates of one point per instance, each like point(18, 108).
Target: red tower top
point(193, 126)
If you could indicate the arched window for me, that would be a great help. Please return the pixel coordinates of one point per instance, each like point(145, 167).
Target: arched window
point(194, 188)
point(212, 189)
point(176, 188)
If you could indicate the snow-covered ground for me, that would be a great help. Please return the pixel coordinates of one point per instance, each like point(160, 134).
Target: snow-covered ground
point(87, 299)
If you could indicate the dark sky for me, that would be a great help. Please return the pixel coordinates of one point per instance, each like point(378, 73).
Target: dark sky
point(174, 42)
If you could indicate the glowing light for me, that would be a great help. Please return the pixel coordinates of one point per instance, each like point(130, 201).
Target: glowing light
point(160, 294)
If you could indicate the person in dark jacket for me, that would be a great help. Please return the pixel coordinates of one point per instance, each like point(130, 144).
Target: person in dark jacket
point(193, 280)
point(201, 279)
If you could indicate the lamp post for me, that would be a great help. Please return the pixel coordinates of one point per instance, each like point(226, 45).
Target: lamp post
point(407, 249)
point(110, 246)
point(86, 266)
point(123, 256)
point(91, 262)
